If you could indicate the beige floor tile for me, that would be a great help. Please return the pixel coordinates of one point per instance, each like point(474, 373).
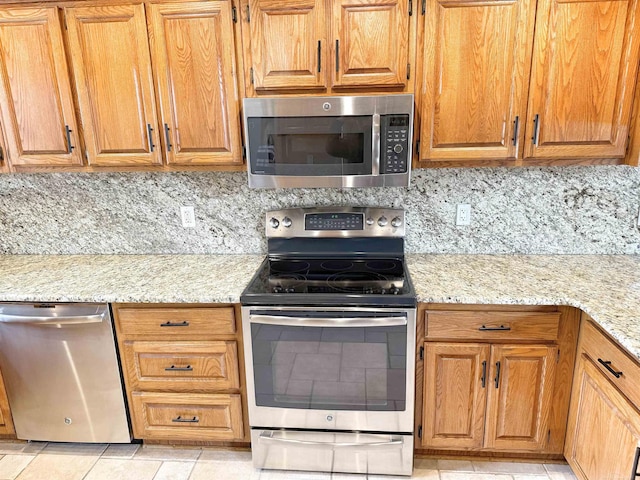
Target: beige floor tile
point(91, 449)
point(559, 471)
point(174, 471)
point(455, 465)
point(209, 470)
point(58, 467)
point(295, 475)
point(34, 448)
point(225, 456)
point(121, 450)
point(425, 463)
point(120, 469)
point(11, 447)
point(525, 476)
point(473, 476)
point(509, 467)
point(12, 465)
point(167, 453)
point(425, 474)
point(348, 476)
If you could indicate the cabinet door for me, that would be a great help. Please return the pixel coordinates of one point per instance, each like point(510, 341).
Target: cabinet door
point(603, 434)
point(455, 387)
point(6, 422)
point(584, 67)
point(519, 397)
point(371, 43)
point(111, 64)
point(35, 93)
point(288, 44)
point(194, 66)
point(475, 72)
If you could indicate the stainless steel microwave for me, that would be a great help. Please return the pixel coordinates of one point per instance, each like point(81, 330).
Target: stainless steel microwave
point(350, 141)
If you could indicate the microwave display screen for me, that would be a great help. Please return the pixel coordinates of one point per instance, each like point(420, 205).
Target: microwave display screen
point(305, 146)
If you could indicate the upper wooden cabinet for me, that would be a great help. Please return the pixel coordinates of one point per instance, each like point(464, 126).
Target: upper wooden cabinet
point(493, 91)
point(112, 68)
point(320, 46)
point(35, 94)
point(194, 68)
point(583, 76)
point(476, 59)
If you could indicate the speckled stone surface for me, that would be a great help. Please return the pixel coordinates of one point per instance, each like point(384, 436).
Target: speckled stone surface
point(126, 278)
point(607, 287)
point(559, 210)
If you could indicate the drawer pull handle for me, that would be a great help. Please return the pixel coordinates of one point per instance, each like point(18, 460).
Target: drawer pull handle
point(607, 365)
point(176, 324)
point(497, 380)
point(634, 471)
point(483, 379)
point(501, 328)
point(179, 419)
point(173, 368)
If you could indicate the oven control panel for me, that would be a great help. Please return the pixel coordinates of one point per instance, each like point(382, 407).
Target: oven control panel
point(339, 222)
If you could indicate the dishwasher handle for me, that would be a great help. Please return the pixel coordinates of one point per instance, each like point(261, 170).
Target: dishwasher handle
point(51, 320)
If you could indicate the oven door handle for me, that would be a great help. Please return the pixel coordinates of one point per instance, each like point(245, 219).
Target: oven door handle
point(328, 322)
point(271, 438)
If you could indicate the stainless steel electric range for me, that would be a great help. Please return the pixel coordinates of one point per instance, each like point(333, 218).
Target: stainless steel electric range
point(329, 335)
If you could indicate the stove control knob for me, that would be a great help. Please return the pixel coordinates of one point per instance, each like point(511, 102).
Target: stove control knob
point(286, 222)
point(274, 223)
point(289, 290)
point(370, 221)
point(277, 289)
point(396, 222)
point(394, 290)
point(382, 221)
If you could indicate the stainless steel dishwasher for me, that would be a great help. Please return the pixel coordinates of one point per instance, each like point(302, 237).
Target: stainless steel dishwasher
point(61, 372)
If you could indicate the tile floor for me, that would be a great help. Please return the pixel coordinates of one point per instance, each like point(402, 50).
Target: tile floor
point(42, 461)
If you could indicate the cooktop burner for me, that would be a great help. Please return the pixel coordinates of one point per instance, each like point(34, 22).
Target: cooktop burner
point(351, 263)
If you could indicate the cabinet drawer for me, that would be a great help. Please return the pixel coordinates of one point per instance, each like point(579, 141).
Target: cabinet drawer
point(177, 416)
point(492, 325)
point(176, 322)
point(601, 350)
point(181, 366)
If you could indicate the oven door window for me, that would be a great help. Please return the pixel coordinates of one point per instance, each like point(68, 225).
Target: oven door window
point(310, 146)
point(330, 368)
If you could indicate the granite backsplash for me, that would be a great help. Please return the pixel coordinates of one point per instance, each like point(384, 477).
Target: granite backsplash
point(541, 210)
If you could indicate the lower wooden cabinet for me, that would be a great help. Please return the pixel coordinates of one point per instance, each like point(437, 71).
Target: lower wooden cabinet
point(603, 437)
point(182, 371)
point(494, 379)
point(173, 416)
point(6, 422)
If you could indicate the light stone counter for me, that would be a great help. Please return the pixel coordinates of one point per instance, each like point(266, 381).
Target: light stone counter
point(126, 278)
point(607, 287)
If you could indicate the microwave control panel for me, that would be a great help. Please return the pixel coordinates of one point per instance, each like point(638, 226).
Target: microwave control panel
point(395, 143)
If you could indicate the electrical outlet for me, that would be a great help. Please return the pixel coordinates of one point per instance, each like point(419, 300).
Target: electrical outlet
point(463, 215)
point(188, 216)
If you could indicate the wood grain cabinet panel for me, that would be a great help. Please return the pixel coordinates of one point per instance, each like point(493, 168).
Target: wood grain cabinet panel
point(6, 421)
point(371, 42)
point(475, 69)
point(178, 416)
point(35, 93)
point(112, 68)
point(455, 395)
point(585, 62)
point(288, 44)
point(182, 366)
point(603, 437)
point(195, 72)
point(519, 399)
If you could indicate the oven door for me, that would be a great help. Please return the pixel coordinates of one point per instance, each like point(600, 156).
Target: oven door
point(330, 368)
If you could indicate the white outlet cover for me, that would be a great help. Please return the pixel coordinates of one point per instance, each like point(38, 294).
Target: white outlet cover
point(463, 214)
point(188, 216)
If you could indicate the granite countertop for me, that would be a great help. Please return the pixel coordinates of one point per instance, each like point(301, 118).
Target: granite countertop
point(607, 287)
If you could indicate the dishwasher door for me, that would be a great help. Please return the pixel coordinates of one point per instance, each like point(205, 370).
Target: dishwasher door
point(61, 373)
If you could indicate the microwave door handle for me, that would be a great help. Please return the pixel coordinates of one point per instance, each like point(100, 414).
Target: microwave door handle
point(271, 437)
point(375, 144)
point(328, 322)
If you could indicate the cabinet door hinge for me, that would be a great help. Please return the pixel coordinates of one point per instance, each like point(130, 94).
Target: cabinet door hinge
point(244, 152)
point(418, 147)
point(251, 75)
point(410, 7)
point(421, 353)
point(424, 7)
point(548, 437)
point(626, 150)
point(248, 14)
point(1, 155)
point(408, 71)
point(420, 431)
point(558, 357)
point(64, 20)
point(234, 14)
